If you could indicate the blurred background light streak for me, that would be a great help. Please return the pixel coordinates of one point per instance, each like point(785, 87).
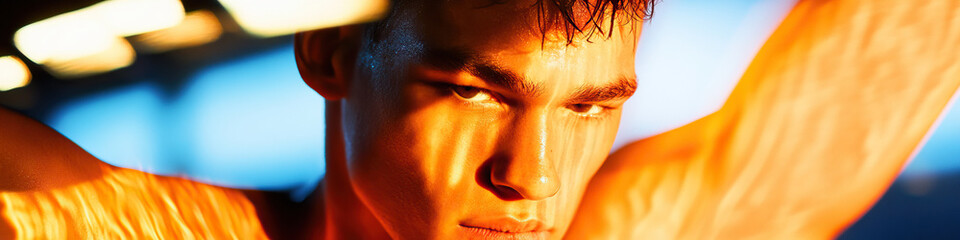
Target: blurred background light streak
point(132, 17)
point(197, 28)
point(90, 40)
point(13, 73)
point(72, 37)
point(273, 18)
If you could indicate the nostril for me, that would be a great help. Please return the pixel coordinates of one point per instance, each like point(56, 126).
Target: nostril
point(511, 179)
point(485, 178)
point(508, 193)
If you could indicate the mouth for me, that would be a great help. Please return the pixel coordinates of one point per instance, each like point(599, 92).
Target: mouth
point(503, 228)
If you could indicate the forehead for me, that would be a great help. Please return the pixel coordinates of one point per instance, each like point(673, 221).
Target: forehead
point(508, 33)
point(497, 24)
point(463, 22)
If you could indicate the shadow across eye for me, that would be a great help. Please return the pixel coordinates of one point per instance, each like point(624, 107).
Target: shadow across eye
point(472, 94)
point(585, 108)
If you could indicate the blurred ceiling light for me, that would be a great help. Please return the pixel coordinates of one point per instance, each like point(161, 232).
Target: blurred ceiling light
point(198, 27)
point(117, 54)
point(90, 40)
point(274, 18)
point(131, 17)
point(63, 37)
point(13, 73)
point(73, 45)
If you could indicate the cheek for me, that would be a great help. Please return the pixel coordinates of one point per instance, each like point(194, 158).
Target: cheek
point(433, 138)
point(583, 146)
point(386, 176)
point(408, 166)
point(382, 163)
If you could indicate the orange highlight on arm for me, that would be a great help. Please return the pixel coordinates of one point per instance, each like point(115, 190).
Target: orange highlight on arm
point(129, 204)
point(820, 124)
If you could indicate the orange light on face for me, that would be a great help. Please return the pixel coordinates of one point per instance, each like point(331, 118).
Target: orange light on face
point(128, 204)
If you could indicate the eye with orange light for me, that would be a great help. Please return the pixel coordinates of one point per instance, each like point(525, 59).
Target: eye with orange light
point(473, 94)
point(587, 109)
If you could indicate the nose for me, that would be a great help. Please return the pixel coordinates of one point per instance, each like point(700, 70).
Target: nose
point(525, 170)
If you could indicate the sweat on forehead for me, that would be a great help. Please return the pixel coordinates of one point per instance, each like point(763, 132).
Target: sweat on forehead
point(566, 20)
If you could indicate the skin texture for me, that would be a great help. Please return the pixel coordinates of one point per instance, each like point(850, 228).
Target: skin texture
point(52, 189)
point(810, 138)
point(438, 131)
point(510, 133)
point(819, 126)
point(24, 138)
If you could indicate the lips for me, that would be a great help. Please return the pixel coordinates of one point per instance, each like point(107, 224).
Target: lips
point(505, 228)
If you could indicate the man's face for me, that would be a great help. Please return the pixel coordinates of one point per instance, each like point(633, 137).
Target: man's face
point(464, 121)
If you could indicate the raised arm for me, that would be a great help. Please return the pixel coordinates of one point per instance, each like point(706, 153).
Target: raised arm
point(821, 123)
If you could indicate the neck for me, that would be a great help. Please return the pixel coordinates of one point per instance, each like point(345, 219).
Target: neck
point(345, 216)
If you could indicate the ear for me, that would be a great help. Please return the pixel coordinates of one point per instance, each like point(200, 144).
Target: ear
point(325, 59)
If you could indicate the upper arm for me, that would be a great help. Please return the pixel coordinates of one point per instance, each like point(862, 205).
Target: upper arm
point(820, 124)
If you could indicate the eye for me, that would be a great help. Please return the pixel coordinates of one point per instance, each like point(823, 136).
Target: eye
point(472, 94)
point(586, 109)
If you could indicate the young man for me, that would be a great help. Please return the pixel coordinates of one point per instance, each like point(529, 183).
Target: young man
point(465, 119)
point(469, 119)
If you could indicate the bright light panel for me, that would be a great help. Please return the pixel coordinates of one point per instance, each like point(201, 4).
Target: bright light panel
point(118, 54)
point(273, 18)
point(73, 45)
point(90, 40)
point(13, 73)
point(131, 17)
point(64, 37)
point(198, 27)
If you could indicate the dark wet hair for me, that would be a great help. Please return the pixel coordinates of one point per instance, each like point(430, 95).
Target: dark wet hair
point(584, 18)
point(588, 17)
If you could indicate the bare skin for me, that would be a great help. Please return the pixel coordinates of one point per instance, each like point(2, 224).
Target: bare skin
point(463, 124)
point(816, 130)
point(49, 185)
point(485, 137)
point(23, 138)
point(446, 155)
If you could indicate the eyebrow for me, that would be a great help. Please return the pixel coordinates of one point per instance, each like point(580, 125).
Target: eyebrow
point(490, 72)
point(622, 88)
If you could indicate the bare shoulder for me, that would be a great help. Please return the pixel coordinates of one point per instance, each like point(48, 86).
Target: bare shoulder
point(33, 156)
point(48, 184)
